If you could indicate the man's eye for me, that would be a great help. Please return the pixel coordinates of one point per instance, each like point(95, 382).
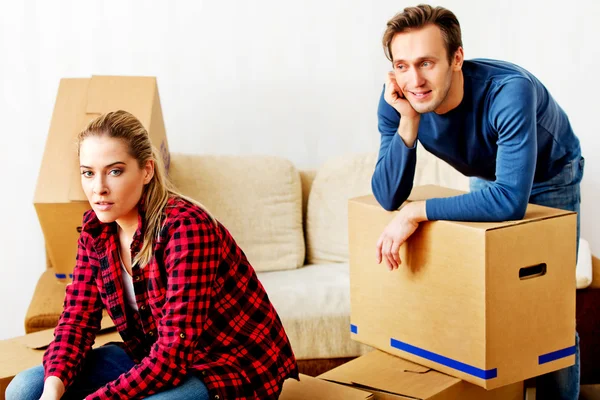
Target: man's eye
point(87, 174)
point(426, 64)
point(115, 172)
point(400, 67)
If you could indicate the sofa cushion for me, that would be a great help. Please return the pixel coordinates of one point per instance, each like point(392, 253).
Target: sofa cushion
point(314, 306)
point(430, 170)
point(258, 198)
point(339, 179)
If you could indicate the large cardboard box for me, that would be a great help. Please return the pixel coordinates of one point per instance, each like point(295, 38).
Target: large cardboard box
point(389, 378)
point(59, 199)
point(317, 389)
point(489, 303)
point(24, 352)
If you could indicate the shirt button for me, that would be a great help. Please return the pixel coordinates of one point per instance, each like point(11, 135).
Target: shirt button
point(217, 397)
point(151, 333)
point(136, 278)
point(142, 308)
point(182, 335)
point(203, 373)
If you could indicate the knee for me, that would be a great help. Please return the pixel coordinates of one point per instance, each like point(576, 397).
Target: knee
point(26, 385)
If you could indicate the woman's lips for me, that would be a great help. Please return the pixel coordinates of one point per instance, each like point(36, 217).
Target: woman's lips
point(104, 206)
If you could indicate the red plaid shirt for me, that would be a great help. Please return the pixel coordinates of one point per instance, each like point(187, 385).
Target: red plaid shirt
point(201, 309)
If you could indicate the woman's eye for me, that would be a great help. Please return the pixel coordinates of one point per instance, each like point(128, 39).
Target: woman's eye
point(115, 172)
point(87, 174)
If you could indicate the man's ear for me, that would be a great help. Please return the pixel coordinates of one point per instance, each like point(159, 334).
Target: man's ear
point(148, 171)
point(457, 60)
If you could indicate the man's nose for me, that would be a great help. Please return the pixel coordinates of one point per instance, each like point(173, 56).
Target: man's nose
point(416, 78)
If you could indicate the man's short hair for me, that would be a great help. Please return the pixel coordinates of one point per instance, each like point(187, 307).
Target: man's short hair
point(419, 16)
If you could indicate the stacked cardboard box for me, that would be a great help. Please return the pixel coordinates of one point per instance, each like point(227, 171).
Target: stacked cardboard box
point(59, 200)
point(492, 304)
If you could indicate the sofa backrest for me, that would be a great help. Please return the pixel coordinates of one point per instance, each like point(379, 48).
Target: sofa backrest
point(272, 209)
point(258, 199)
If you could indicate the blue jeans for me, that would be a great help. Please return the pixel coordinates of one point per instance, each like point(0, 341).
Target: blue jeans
point(102, 366)
point(562, 191)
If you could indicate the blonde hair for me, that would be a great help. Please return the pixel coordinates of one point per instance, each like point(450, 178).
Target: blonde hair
point(124, 126)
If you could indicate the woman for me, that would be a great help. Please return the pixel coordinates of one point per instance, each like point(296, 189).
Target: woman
point(195, 321)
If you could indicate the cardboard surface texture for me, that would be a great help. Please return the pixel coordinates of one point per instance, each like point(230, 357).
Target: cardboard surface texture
point(317, 389)
point(489, 303)
point(389, 378)
point(24, 352)
point(59, 199)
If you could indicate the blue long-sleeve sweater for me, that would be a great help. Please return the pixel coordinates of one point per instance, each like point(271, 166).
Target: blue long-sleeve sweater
point(507, 129)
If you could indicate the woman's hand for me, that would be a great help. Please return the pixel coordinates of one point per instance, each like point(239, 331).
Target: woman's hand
point(53, 389)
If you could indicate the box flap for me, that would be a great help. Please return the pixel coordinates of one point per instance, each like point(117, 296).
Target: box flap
point(379, 371)
point(130, 93)
point(16, 356)
point(533, 213)
point(317, 389)
point(40, 340)
point(60, 152)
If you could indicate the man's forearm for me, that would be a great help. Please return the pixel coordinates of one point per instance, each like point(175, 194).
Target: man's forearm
point(408, 130)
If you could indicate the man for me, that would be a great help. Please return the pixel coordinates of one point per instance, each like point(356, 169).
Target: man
point(491, 120)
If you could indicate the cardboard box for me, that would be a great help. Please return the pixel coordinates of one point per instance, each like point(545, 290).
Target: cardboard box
point(489, 303)
point(24, 352)
point(317, 389)
point(59, 199)
point(389, 378)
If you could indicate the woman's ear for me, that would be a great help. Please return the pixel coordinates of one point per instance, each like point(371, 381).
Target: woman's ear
point(148, 171)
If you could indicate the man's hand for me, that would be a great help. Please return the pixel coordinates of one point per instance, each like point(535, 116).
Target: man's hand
point(395, 97)
point(53, 389)
point(404, 224)
point(409, 118)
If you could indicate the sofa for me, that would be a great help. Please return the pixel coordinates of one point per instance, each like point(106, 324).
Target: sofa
point(292, 225)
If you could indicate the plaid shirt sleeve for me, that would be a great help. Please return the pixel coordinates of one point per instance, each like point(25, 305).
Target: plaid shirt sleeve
point(191, 256)
point(78, 323)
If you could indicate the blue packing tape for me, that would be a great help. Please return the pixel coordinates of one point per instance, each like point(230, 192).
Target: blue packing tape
point(555, 355)
point(448, 362)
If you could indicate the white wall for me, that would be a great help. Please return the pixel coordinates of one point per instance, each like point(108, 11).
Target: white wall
point(298, 79)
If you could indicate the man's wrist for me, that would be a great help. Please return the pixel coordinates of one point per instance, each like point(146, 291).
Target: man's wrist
point(416, 211)
point(408, 130)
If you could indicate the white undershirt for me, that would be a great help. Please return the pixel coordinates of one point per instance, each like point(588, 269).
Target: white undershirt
point(128, 287)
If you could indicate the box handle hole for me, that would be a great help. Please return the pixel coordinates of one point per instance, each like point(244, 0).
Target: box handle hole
point(532, 271)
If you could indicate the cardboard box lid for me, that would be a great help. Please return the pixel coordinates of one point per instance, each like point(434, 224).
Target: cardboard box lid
point(317, 389)
point(42, 339)
point(534, 212)
point(379, 371)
